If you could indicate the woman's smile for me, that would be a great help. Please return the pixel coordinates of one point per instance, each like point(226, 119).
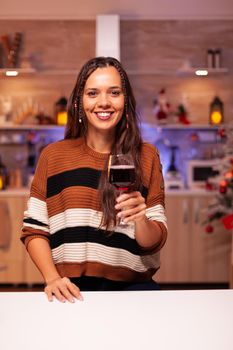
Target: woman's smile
point(104, 115)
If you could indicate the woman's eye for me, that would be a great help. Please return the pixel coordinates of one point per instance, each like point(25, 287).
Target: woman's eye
point(91, 93)
point(116, 92)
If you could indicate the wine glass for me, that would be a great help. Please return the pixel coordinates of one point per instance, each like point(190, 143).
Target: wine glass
point(121, 174)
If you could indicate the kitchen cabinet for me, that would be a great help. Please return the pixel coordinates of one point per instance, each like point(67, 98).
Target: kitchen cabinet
point(175, 260)
point(11, 249)
point(15, 264)
point(190, 254)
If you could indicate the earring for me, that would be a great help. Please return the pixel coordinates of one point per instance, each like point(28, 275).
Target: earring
point(127, 124)
point(75, 108)
point(80, 120)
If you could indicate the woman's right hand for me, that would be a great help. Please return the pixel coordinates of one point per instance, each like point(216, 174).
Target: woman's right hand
point(63, 290)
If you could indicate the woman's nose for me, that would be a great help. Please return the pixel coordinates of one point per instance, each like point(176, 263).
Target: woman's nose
point(103, 100)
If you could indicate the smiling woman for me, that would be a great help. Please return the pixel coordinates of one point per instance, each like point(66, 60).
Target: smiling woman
point(103, 102)
point(71, 227)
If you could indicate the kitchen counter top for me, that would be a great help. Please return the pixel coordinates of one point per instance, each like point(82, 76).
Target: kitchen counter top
point(15, 192)
point(189, 192)
point(165, 320)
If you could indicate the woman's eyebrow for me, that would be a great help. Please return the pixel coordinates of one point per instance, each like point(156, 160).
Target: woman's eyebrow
point(110, 87)
point(115, 87)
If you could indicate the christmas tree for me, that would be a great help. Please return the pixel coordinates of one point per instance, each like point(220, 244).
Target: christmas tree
point(222, 207)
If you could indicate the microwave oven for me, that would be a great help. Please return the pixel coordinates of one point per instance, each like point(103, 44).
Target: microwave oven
point(199, 170)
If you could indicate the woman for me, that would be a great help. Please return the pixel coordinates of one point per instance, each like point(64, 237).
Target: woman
point(71, 226)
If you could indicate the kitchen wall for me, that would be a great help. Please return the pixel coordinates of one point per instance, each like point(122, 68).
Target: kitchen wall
point(151, 50)
point(159, 48)
point(48, 46)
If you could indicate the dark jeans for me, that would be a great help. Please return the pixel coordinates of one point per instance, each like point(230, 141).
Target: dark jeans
point(86, 284)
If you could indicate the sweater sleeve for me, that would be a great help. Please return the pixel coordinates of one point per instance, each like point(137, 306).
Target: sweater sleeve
point(36, 221)
point(155, 198)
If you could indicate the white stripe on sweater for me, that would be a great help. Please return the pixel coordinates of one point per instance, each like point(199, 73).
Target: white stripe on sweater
point(82, 217)
point(89, 217)
point(37, 210)
point(94, 252)
point(157, 213)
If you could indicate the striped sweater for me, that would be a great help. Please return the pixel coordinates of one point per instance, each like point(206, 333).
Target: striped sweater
point(64, 208)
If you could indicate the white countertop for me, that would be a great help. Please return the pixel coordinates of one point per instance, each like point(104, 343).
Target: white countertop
point(15, 192)
point(164, 320)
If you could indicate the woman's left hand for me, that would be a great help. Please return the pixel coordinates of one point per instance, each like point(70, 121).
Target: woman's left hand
point(131, 206)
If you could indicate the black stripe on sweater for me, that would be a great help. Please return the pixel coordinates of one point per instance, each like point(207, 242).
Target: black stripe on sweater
point(77, 177)
point(87, 177)
point(35, 222)
point(83, 234)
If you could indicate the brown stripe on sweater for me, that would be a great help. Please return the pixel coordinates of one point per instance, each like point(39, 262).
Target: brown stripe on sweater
point(26, 239)
point(77, 197)
point(114, 273)
point(71, 154)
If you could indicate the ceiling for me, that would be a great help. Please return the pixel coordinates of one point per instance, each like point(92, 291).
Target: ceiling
point(127, 9)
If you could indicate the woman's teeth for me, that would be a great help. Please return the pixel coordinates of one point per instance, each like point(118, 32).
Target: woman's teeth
point(103, 115)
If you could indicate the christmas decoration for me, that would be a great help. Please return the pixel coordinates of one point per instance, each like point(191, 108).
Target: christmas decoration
point(216, 111)
point(161, 107)
point(182, 115)
point(222, 209)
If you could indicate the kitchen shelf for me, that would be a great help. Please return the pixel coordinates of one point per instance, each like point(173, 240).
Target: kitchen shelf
point(169, 72)
point(156, 126)
point(31, 127)
point(43, 72)
point(182, 127)
point(21, 71)
point(192, 70)
point(188, 127)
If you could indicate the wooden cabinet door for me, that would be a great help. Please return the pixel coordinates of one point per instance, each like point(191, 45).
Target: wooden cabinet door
point(15, 264)
point(175, 255)
point(11, 248)
point(31, 273)
point(210, 253)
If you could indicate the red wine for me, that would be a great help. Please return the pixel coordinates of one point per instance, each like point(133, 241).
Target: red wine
point(122, 176)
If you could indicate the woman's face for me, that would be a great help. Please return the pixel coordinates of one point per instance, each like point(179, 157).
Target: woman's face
point(103, 99)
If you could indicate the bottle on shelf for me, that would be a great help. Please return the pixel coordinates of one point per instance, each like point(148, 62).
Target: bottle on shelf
point(32, 156)
point(217, 59)
point(3, 176)
point(210, 58)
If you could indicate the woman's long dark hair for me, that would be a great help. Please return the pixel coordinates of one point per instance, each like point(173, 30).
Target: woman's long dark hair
point(127, 134)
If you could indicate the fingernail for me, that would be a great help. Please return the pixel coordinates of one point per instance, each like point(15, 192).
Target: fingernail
point(80, 297)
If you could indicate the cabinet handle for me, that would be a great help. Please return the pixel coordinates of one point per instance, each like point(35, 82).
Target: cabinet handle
point(5, 229)
point(196, 211)
point(185, 212)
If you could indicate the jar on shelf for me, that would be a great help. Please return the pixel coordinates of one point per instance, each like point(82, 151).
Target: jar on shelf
point(216, 111)
point(61, 111)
